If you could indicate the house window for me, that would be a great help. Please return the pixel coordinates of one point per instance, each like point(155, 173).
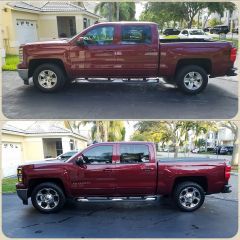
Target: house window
point(72, 147)
point(66, 26)
point(84, 23)
point(59, 147)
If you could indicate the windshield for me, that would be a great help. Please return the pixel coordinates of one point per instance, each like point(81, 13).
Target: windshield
point(196, 32)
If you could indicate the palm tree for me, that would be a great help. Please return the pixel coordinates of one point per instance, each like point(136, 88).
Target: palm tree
point(118, 11)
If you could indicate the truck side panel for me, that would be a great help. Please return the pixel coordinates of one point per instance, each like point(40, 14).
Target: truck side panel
point(214, 57)
point(171, 171)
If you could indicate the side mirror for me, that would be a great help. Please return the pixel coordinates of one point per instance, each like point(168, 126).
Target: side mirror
point(80, 161)
point(80, 41)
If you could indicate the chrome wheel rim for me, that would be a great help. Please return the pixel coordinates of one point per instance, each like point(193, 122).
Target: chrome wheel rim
point(47, 198)
point(190, 197)
point(193, 80)
point(47, 79)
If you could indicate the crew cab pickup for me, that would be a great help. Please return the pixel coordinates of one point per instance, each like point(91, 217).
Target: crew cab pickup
point(121, 171)
point(126, 50)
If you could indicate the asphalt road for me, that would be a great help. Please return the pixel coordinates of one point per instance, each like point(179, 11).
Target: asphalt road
point(218, 218)
point(119, 101)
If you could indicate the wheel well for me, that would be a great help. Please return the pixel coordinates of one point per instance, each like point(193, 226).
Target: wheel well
point(34, 182)
point(34, 63)
point(205, 63)
point(202, 181)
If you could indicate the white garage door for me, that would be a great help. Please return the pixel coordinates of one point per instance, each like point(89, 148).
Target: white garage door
point(11, 158)
point(26, 31)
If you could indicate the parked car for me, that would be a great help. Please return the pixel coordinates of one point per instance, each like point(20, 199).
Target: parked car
point(64, 156)
point(194, 33)
point(207, 29)
point(121, 171)
point(195, 150)
point(100, 51)
point(171, 31)
point(226, 150)
point(220, 29)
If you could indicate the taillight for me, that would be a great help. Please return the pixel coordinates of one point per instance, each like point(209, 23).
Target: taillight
point(227, 172)
point(233, 54)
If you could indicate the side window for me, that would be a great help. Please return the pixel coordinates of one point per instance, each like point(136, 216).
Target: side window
point(134, 153)
point(100, 36)
point(136, 34)
point(98, 155)
point(185, 32)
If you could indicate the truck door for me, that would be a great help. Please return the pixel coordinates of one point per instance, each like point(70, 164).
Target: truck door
point(137, 51)
point(136, 171)
point(96, 57)
point(96, 176)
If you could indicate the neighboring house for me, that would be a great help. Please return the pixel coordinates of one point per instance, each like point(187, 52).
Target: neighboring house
point(44, 20)
point(223, 136)
point(35, 143)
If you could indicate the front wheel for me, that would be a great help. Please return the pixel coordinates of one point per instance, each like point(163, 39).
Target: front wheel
point(49, 78)
point(192, 79)
point(48, 197)
point(188, 196)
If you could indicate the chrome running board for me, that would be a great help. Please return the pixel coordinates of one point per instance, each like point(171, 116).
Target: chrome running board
point(116, 199)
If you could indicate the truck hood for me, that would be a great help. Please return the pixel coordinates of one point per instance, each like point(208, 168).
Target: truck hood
point(41, 163)
point(52, 42)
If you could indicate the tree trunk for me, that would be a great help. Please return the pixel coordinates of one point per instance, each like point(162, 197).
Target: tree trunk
point(97, 131)
point(110, 13)
point(105, 131)
point(235, 154)
point(118, 11)
point(176, 149)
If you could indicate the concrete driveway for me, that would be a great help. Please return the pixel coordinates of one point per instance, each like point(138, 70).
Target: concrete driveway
point(217, 218)
point(119, 101)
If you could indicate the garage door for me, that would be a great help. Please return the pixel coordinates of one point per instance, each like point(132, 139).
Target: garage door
point(11, 158)
point(26, 31)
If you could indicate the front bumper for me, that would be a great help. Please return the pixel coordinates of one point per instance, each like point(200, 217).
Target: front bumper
point(23, 73)
point(226, 189)
point(23, 195)
point(231, 72)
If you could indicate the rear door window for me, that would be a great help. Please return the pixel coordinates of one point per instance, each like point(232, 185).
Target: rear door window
point(134, 153)
point(136, 35)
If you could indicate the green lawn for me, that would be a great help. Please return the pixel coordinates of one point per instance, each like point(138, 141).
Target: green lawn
point(11, 62)
point(171, 37)
point(8, 185)
point(234, 41)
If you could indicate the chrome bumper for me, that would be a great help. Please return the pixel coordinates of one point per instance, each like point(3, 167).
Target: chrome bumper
point(23, 195)
point(23, 73)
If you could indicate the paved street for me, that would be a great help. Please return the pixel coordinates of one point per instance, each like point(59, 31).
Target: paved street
point(217, 218)
point(119, 101)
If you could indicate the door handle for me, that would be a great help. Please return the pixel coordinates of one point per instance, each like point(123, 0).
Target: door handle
point(107, 170)
point(148, 169)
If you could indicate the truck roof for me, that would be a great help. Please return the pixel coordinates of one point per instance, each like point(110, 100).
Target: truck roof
point(130, 142)
point(126, 22)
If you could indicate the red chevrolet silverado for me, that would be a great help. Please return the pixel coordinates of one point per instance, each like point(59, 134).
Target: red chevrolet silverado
point(121, 171)
point(125, 50)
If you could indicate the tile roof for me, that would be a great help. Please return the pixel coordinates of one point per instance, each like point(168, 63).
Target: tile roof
point(40, 128)
point(62, 6)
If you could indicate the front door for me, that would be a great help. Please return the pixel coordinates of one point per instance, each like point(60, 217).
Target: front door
point(96, 58)
point(136, 172)
point(96, 176)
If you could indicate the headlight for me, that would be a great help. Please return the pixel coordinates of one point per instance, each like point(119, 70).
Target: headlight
point(21, 54)
point(19, 174)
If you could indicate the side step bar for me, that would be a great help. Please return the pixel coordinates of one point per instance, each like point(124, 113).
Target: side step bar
point(118, 80)
point(116, 199)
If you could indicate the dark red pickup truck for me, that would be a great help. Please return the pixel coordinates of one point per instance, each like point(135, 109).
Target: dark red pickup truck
point(125, 50)
point(121, 171)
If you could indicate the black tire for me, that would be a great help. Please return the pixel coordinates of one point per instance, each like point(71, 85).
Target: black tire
point(180, 189)
point(58, 72)
point(199, 72)
point(60, 197)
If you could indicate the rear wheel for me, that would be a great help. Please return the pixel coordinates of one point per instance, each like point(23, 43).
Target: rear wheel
point(188, 196)
point(49, 78)
point(48, 197)
point(192, 79)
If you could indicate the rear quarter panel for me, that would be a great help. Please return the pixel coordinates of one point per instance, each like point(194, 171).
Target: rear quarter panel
point(217, 52)
point(169, 171)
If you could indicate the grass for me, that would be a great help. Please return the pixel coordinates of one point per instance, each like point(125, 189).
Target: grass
point(171, 37)
point(11, 62)
point(8, 185)
point(234, 41)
